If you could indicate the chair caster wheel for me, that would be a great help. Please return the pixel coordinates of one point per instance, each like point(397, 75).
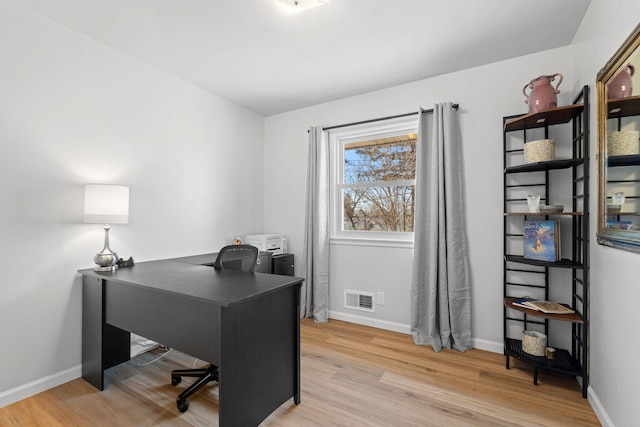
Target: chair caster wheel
point(176, 380)
point(183, 405)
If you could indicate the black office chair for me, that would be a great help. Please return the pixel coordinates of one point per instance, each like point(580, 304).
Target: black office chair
point(234, 257)
point(237, 257)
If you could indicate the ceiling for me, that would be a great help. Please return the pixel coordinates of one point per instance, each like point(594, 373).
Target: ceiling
point(252, 53)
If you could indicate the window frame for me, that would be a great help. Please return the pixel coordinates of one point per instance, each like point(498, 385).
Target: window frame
point(338, 138)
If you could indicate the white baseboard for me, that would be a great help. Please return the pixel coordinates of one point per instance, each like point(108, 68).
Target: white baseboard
point(34, 387)
point(491, 346)
point(598, 409)
point(369, 321)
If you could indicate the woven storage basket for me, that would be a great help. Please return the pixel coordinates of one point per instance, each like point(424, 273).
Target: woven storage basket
point(623, 143)
point(542, 150)
point(534, 343)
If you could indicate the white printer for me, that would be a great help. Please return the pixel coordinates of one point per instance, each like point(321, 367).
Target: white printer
point(274, 243)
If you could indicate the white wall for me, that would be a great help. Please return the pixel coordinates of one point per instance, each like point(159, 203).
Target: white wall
point(72, 112)
point(614, 349)
point(485, 95)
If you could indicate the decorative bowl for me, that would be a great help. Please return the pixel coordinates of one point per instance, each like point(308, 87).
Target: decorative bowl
point(542, 150)
point(550, 209)
point(534, 343)
point(623, 143)
point(614, 209)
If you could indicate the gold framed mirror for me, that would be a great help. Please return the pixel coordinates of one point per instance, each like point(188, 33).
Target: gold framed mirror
point(618, 98)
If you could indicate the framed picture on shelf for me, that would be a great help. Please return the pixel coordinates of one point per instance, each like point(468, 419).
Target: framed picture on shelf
point(541, 240)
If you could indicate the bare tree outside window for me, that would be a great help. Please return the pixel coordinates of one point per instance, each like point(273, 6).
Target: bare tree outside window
point(379, 184)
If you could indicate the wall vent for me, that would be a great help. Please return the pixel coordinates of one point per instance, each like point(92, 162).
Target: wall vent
point(358, 300)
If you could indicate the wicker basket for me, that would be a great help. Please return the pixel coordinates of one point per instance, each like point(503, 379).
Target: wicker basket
point(542, 150)
point(623, 143)
point(534, 343)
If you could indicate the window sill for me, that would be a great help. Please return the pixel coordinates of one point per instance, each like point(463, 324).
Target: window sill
point(381, 243)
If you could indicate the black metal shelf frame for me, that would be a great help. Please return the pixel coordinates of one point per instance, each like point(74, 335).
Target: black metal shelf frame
point(572, 361)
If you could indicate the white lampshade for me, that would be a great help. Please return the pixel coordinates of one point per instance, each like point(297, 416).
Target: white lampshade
point(106, 204)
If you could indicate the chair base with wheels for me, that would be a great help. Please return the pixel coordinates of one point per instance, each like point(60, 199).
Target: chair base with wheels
point(204, 375)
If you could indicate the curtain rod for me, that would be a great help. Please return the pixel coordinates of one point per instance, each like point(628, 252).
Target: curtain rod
point(454, 106)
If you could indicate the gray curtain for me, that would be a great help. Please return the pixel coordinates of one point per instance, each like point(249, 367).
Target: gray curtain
point(315, 263)
point(440, 289)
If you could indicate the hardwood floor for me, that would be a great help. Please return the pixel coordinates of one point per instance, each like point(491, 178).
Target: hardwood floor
point(351, 376)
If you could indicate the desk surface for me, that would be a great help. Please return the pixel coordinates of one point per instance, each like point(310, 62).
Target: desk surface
point(201, 259)
point(221, 287)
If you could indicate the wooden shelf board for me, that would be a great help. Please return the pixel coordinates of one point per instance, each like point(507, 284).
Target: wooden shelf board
point(553, 116)
point(570, 317)
point(623, 107)
point(623, 213)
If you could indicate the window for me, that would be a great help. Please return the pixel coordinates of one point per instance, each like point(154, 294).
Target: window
point(373, 180)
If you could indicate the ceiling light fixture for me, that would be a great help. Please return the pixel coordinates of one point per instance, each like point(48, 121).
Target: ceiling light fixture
point(295, 6)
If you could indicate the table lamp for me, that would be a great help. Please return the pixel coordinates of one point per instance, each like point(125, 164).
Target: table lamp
point(106, 204)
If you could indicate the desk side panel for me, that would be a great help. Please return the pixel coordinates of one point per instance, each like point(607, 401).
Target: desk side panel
point(260, 357)
point(103, 346)
point(187, 324)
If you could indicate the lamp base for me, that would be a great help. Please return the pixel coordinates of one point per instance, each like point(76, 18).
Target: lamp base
point(106, 260)
point(108, 269)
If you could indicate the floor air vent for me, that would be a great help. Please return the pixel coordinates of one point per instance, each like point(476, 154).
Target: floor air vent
point(359, 300)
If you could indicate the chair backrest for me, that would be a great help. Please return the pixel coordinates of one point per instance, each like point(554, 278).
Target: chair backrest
point(237, 257)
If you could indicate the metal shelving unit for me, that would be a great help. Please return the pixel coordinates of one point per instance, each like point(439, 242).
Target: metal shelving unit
point(528, 277)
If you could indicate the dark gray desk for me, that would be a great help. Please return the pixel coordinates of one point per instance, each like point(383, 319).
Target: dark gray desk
point(248, 324)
